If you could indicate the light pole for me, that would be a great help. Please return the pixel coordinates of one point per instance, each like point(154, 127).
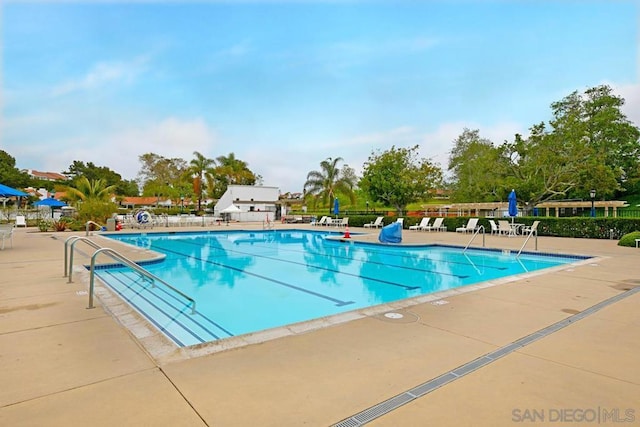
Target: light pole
point(367, 206)
point(592, 193)
point(181, 203)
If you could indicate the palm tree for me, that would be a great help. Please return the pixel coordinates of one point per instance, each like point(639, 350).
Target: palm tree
point(328, 182)
point(85, 190)
point(234, 171)
point(199, 166)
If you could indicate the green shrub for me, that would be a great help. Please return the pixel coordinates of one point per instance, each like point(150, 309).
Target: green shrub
point(629, 239)
point(43, 225)
point(96, 211)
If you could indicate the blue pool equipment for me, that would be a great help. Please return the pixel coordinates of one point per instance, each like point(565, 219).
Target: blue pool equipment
point(391, 233)
point(143, 217)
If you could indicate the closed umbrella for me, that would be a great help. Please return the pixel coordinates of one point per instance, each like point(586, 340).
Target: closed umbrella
point(336, 207)
point(513, 205)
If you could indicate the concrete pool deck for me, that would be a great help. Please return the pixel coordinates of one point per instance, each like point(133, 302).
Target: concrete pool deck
point(64, 365)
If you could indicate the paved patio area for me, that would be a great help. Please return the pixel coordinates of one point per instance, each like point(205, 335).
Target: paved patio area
point(65, 365)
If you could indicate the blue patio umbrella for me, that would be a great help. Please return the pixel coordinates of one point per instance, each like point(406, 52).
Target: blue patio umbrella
point(6, 191)
point(336, 206)
point(513, 205)
point(51, 202)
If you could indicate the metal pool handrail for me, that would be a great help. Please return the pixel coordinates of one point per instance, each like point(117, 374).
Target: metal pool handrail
point(534, 230)
point(72, 241)
point(89, 223)
point(480, 227)
point(119, 257)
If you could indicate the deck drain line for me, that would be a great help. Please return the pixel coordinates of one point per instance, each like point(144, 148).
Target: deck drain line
point(395, 402)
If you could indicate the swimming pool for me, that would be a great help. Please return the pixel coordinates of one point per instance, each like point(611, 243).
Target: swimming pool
point(246, 282)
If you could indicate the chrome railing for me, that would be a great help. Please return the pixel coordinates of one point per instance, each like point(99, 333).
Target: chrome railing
point(89, 223)
point(119, 257)
point(68, 254)
point(478, 229)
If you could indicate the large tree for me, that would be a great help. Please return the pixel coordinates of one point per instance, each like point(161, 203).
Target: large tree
point(199, 166)
point(398, 177)
point(163, 176)
point(92, 172)
point(477, 169)
point(594, 124)
point(86, 190)
point(327, 183)
point(9, 174)
point(229, 171)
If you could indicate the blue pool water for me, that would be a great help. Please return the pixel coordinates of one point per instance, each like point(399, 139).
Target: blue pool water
point(250, 281)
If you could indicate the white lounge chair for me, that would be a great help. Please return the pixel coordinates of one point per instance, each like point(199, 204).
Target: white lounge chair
point(423, 223)
point(437, 225)
point(341, 222)
point(21, 221)
point(375, 224)
point(470, 227)
point(319, 222)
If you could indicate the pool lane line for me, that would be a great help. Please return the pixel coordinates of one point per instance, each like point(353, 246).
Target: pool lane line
point(190, 317)
point(153, 321)
point(339, 303)
point(401, 399)
point(373, 279)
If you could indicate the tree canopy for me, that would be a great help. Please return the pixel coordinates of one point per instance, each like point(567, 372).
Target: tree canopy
point(327, 183)
point(398, 177)
point(588, 144)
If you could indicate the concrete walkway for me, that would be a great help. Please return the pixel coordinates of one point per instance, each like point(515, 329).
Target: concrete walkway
point(64, 365)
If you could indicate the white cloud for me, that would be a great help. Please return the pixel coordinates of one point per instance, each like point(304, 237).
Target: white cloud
point(170, 138)
point(102, 74)
point(287, 167)
point(631, 94)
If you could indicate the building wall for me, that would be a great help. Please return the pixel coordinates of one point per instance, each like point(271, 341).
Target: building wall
point(243, 196)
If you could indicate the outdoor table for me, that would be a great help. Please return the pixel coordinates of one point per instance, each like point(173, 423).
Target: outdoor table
point(516, 228)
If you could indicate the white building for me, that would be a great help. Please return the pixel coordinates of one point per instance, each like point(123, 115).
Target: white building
point(256, 203)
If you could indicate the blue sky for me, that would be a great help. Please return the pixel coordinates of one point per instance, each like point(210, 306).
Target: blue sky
point(286, 84)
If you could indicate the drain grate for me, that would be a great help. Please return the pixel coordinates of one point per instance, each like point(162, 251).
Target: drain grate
point(395, 402)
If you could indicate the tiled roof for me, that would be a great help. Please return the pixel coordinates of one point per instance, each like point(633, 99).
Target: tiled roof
point(49, 176)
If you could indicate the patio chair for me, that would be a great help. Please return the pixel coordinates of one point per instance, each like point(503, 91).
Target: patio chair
point(530, 229)
point(470, 227)
point(375, 224)
point(437, 225)
point(21, 221)
point(504, 228)
point(494, 227)
point(423, 223)
point(6, 233)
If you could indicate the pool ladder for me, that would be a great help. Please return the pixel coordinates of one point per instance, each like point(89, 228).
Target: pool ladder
point(71, 241)
point(476, 232)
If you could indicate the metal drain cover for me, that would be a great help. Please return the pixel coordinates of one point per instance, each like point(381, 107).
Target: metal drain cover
point(393, 315)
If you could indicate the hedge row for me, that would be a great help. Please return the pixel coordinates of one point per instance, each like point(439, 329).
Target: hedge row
point(578, 227)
